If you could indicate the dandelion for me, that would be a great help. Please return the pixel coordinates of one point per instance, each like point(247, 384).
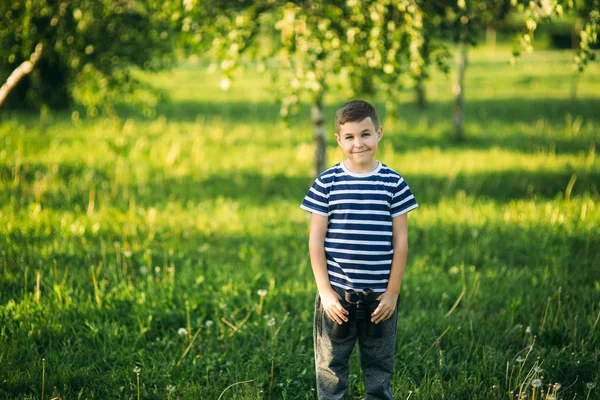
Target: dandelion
point(520, 359)
point(557, 386)
point(590, 385)
point(266, 316)
point(536, 383)
point(170, 388)
point(261, 293)
point(127, 253)
point(143, 270)
point(538, 370)
point(271, 322)
point(137, 370)
point(208, 323)
point(182, 332)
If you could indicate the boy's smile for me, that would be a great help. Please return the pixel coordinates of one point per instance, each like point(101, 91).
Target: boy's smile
point(359, 142)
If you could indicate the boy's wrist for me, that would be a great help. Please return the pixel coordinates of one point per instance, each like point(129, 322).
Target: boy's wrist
point(394, 291)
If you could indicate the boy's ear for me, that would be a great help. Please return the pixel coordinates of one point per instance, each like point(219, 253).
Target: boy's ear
point(337, 137)
point(379, 132)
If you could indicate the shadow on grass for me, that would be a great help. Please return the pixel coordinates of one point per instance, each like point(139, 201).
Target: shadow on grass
point(75, 182)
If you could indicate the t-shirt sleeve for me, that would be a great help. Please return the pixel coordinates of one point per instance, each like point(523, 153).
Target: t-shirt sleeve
point(316, 200)
point(403, 200)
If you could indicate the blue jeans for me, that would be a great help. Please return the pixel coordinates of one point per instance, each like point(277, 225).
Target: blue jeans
point(332, 356)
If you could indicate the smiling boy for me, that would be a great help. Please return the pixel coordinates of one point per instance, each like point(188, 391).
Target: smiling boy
point(358, 240)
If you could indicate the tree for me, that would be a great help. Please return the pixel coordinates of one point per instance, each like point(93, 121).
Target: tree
point(89, 47)
point(363, 44)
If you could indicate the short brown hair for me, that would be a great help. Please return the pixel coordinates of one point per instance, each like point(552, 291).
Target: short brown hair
point(355, 111)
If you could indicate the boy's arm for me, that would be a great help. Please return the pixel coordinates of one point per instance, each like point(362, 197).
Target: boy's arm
point(316, 243)
point(388, 300)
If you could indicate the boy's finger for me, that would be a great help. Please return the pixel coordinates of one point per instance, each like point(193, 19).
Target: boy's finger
point(342, 309)
point(377, 310)
point(333, 317)
point(342, 313)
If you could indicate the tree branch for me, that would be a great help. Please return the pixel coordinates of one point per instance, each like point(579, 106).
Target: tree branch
point(22, 70)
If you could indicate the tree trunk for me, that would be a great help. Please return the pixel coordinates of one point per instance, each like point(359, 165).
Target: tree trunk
point(318, 121)
point(420, 94)
point(19, 73)
point(459, 91)
point(490, 36)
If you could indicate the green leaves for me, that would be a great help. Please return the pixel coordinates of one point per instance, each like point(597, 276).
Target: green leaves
point(85, 42)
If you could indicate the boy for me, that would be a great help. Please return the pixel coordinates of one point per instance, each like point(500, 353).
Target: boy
point(358, 240)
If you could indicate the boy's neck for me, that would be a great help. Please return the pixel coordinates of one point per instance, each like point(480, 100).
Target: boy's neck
point(361, 168)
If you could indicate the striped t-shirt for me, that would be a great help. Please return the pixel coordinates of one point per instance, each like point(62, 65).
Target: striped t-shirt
point(360, 208)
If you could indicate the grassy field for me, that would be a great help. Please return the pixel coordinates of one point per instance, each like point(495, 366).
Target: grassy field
point(116, 233)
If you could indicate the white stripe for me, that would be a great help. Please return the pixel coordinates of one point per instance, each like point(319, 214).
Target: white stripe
point(402, 201)
point(401, 192)
point(367, 253)
point(367, 242)
point(404, 211)
point(358, 280)
point(327, 176)
point(366, 272)
point(380, 262)
point(364, 183)
point(312, 210)
point(359, 222)
point(319, 193)
point(315, 202)
point(360, 212)
point(384, 192)
point(340, 285)
point(358, 271)
point(352, 201)
point(359, 232)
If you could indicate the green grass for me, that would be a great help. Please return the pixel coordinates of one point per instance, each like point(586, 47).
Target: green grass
point(117, 232)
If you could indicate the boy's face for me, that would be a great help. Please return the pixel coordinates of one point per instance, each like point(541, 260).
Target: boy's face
point(359, 141)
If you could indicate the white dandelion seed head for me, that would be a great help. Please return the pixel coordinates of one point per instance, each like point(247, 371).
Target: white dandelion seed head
point(127, 253)
point(266, 316)
point(590, 385)
point(520, 359)
point(538, 370)
point(182, 332)
point(137, 370)
point(170, 388)
point(271, 322)
point(557, 386)
point(143, 270)
point(536, 383)
point(209, 323)
point(262, 292)
point(528, 329)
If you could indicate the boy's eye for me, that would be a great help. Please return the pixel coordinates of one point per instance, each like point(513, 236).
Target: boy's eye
point(366, 134)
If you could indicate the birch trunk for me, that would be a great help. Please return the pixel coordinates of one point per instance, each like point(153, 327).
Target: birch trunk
point(318, 121)
point(22, 70)
point(459, 91)
point(420, 94)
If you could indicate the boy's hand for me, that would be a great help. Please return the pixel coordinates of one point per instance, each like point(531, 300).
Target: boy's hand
point(386, 307)
point(330, 300)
